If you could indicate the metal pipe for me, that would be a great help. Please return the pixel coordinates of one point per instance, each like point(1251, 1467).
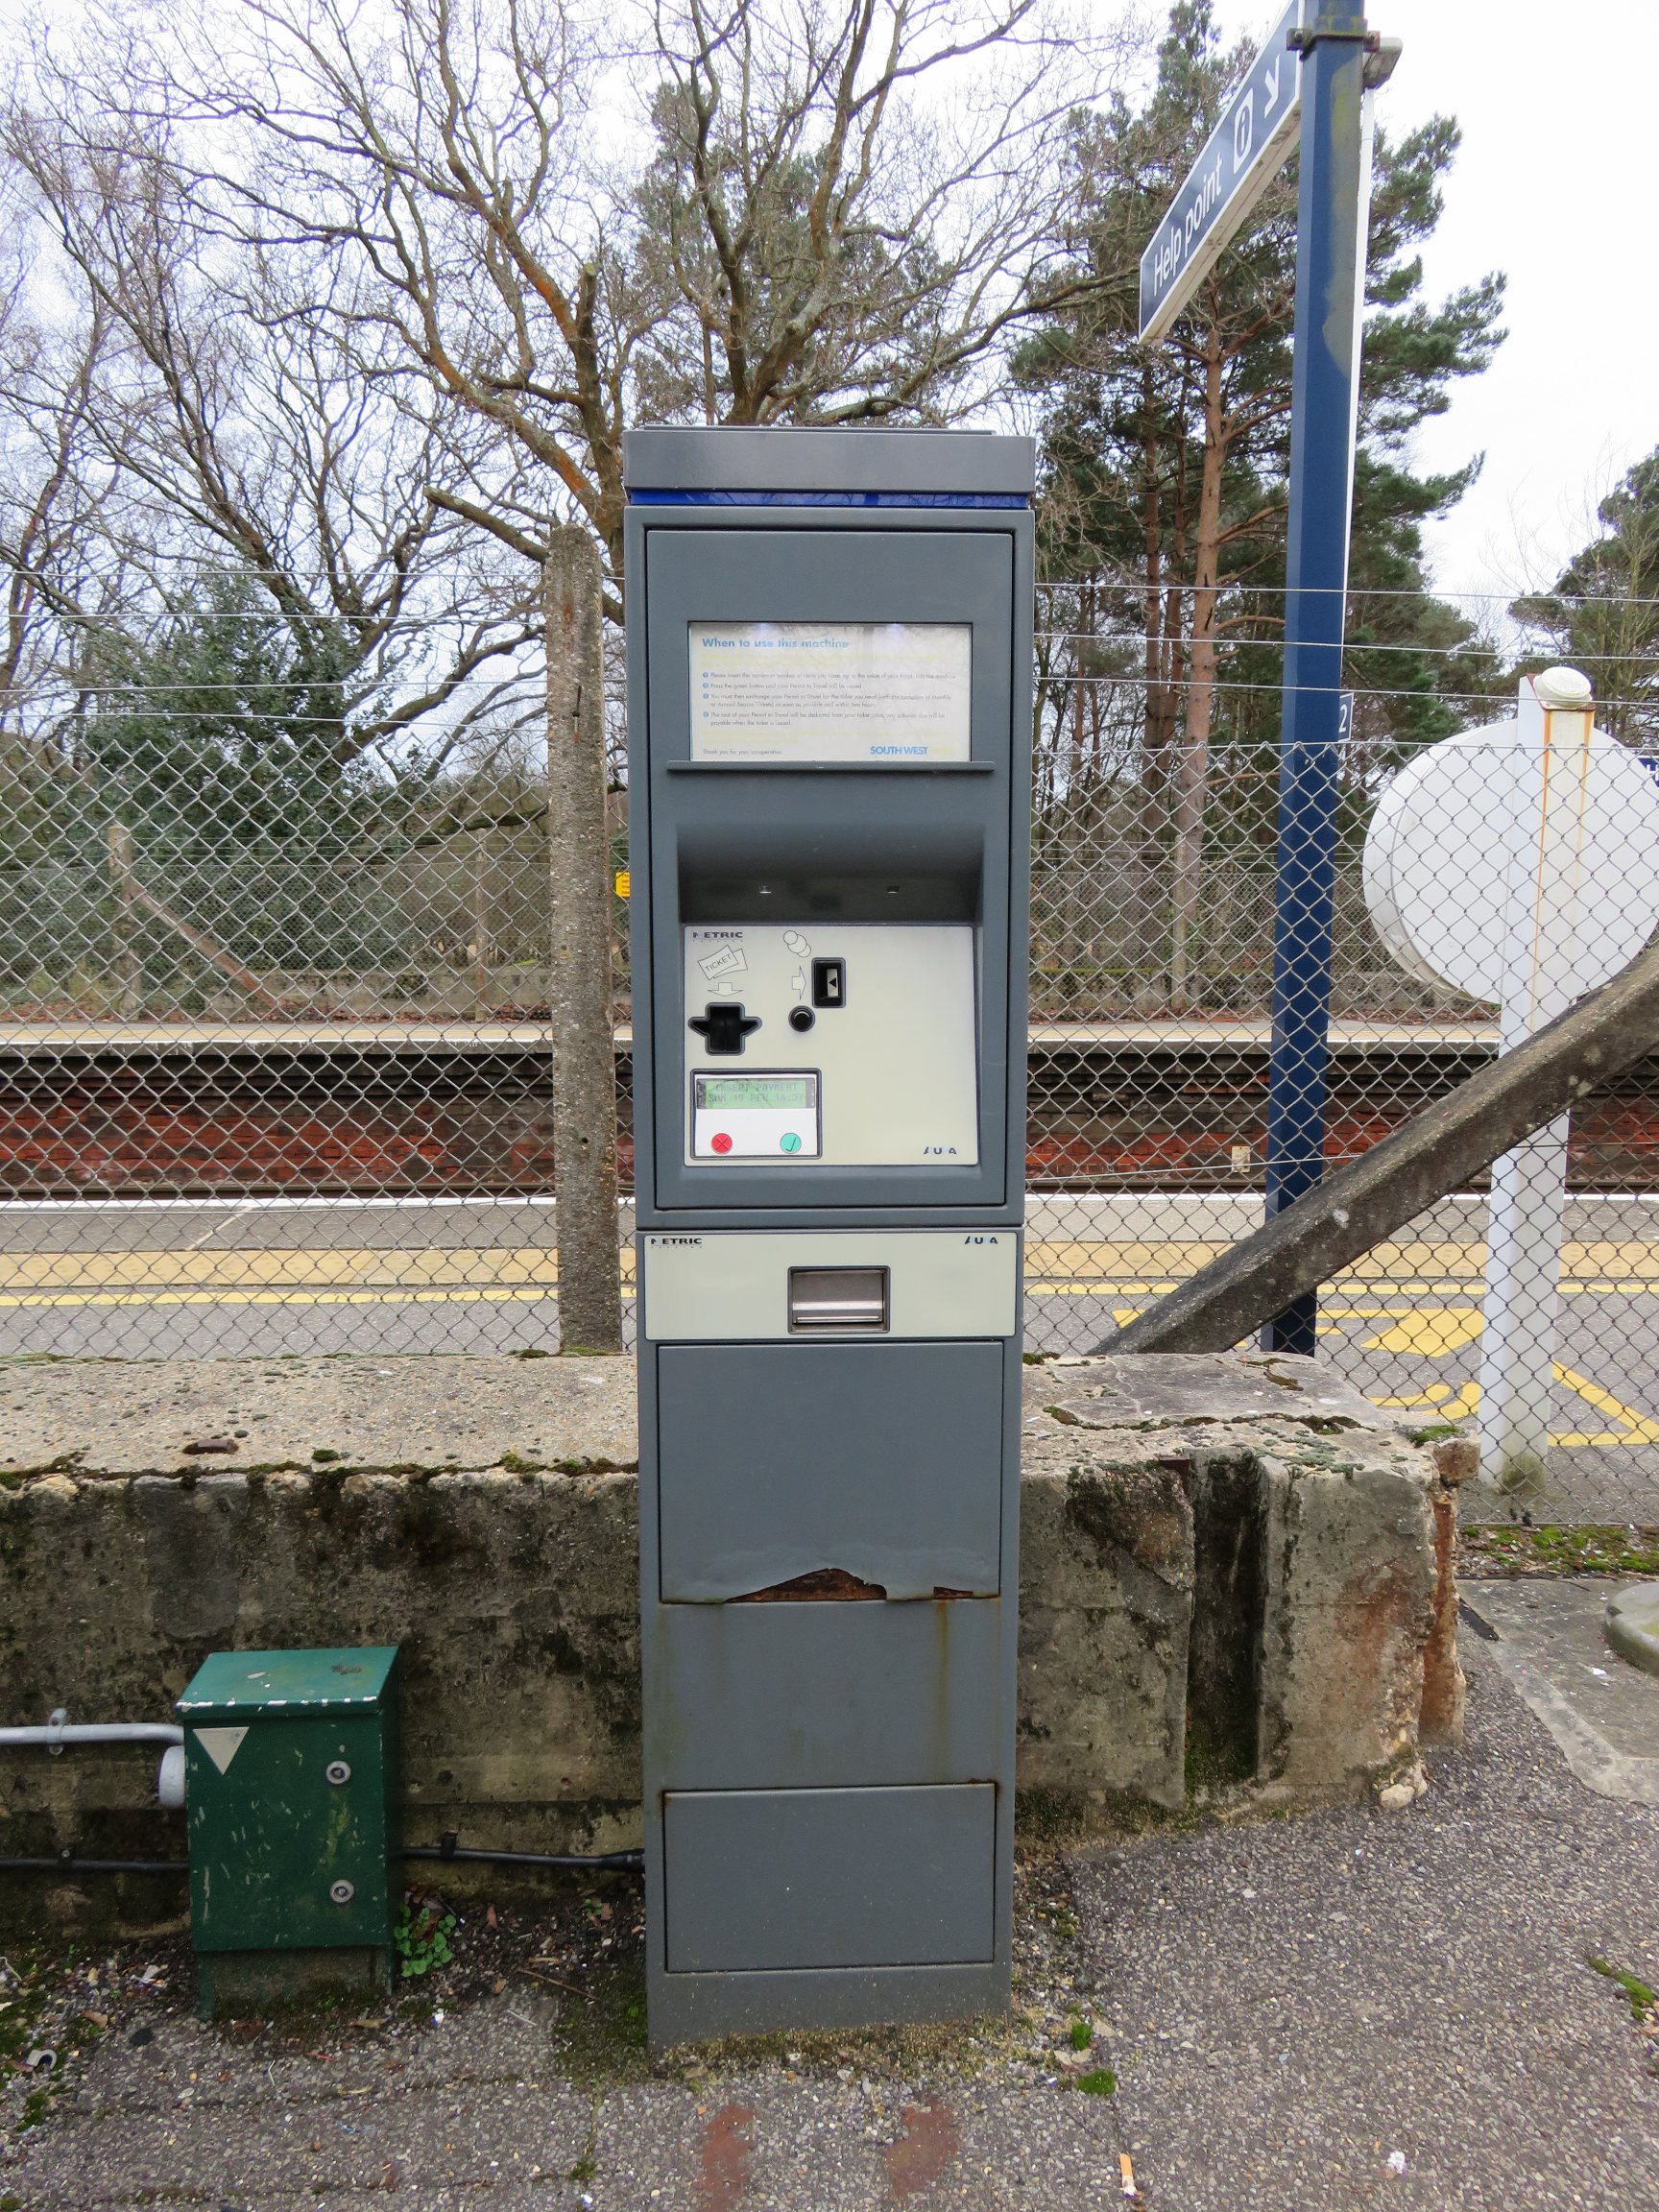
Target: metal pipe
point(53, 1734)
point(57, 1731)
point(1333, 197)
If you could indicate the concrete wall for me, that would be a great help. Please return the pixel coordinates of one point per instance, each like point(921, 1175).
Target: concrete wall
point(1228, 1561)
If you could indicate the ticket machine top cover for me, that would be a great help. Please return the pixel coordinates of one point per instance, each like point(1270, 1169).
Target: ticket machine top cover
point(829, 803)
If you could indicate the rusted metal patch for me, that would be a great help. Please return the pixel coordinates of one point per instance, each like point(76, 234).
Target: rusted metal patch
point(823, 1585)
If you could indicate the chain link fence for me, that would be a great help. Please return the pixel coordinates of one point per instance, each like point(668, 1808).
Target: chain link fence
point(1154, 863)
point(273, 1060)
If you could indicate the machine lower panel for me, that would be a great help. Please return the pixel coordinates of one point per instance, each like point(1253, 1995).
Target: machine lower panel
point(881, 1460)
point(689, 2008)
point(827, 1696)
point(767, 1880)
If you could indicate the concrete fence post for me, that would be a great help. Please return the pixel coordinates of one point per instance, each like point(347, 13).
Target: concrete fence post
point(125, 966)
point(1545, 951)
point(579, 964)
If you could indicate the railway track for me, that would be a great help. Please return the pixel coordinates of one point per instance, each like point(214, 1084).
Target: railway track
point(153, 1109)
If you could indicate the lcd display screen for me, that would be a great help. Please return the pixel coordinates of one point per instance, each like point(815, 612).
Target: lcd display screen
point(770, 1115)
point(731, 1093)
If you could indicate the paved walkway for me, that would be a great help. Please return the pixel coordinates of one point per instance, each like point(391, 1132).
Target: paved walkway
point(1349, 2009)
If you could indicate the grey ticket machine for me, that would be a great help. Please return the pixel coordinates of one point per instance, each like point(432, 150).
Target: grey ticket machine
point(829, 654)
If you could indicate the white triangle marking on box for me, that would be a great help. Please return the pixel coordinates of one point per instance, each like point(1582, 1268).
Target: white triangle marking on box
point(221, 1745)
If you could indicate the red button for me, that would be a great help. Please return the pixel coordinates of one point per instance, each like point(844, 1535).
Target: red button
point(720, 1142)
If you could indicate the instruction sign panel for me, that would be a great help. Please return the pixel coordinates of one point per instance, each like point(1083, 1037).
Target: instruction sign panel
point(878, 692)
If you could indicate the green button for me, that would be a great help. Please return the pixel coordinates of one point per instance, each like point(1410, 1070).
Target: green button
point(790, 1142)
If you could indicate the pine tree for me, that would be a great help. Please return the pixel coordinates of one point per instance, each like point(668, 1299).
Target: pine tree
point(224, 725)
point(1602, 611)
point(1164, 478)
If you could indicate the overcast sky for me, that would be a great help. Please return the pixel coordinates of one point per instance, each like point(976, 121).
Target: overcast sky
point(1553, 186)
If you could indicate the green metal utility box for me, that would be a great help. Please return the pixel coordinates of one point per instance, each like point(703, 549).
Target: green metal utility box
point(292, 1804)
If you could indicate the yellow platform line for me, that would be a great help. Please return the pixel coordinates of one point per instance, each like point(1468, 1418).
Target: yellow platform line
point(291, 1269)
point(1641, 1430)
point(278, 1287)
point(386, 1296)
point(1057, 1268)
point(1449, 1405)
point(1457, 1288)
point(1584, 1260)
point(317, 1267)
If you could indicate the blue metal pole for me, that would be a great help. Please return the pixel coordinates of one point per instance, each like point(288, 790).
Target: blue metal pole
point(1330, 209)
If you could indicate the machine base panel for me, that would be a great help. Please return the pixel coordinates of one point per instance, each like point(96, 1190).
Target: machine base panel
point(695, 2008)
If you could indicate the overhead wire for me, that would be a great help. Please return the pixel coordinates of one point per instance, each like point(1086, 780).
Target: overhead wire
point(1136, 587)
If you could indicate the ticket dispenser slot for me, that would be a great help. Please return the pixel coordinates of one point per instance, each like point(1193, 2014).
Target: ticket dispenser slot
point(843, 1299)
point(830, 716)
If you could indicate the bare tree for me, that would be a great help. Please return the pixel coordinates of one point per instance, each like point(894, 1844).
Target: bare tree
point(823, 212)
point(248, 431)
point(52, 493)
point(848, 208)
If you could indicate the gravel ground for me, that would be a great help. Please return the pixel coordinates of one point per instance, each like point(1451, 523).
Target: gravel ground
point(1295, 2002)
point(1342, 2009)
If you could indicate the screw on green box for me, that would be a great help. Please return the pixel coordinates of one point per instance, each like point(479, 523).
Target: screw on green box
point(292, 1804)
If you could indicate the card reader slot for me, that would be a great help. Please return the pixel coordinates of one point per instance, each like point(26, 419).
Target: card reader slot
point(839, 1298)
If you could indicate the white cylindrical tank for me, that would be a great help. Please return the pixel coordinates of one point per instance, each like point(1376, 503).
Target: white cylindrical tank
point(1437, 859)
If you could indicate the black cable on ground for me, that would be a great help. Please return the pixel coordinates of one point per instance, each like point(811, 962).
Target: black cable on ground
point(569, 1862)
point(66, 1862)
point(575, 1862)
